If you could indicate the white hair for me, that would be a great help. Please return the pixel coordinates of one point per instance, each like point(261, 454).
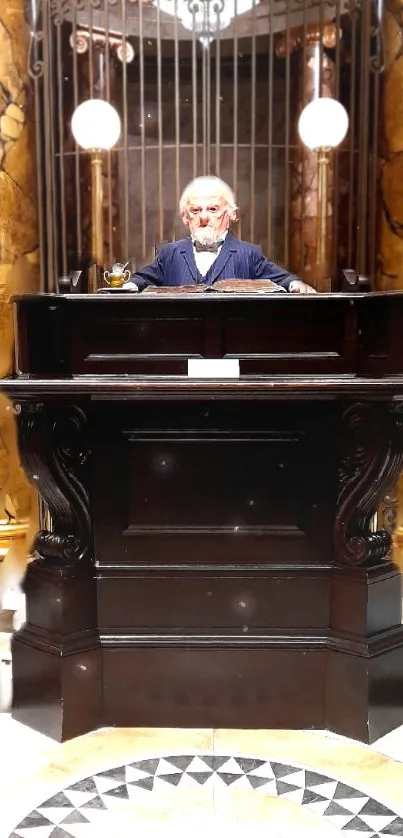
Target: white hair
point(204, 183)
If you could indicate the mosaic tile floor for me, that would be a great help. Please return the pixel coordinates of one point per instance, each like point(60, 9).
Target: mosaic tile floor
point(81, 808)
point(157, 784)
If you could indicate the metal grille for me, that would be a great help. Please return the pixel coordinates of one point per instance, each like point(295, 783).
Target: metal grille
point(210, 98)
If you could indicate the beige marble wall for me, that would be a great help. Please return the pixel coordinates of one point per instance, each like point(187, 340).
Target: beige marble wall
point(19, 255)
point(390, 254)
point(390, 261)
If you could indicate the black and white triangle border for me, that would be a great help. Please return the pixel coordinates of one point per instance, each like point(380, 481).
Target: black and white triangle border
point(351, 811)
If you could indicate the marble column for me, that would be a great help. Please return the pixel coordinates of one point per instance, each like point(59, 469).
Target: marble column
point(390, 259)
point(19, 270)
point(314, 80)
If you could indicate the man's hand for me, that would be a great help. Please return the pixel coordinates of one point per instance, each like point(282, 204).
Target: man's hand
point(130, 286)
point(296, 286)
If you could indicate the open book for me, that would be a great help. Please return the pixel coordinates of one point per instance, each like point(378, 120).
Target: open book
point(226, 286)
point(223, 286)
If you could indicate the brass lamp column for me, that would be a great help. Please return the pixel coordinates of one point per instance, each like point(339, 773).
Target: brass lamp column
point(98, 54)
point(315, 75)
point(97, 232)
point(322, 253)
point(322, 126)
point(96, 128)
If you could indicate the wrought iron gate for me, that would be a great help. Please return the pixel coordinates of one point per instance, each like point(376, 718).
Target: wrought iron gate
point(205, 86)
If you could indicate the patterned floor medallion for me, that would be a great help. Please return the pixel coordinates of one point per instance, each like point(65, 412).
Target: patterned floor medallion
point(131, 799)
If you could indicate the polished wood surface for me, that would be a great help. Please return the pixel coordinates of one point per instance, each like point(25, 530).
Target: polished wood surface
point(143, 335)
point(212, 560)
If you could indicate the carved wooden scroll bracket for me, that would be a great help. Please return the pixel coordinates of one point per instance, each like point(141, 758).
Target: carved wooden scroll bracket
point(54, 453)
point(371, 461)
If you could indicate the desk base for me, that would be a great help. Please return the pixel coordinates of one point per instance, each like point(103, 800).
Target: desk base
point(68, 680)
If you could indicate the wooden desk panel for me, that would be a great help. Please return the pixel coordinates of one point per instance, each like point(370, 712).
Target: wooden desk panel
point(212, 559)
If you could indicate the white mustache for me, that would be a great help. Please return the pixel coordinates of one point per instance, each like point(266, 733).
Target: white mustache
point(206, 235)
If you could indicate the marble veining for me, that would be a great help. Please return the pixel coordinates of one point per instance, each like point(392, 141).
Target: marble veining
point(19, 254)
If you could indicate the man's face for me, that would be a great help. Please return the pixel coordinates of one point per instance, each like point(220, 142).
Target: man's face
point(208, 216)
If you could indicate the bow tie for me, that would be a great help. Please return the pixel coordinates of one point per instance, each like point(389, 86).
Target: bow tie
point(207, 248)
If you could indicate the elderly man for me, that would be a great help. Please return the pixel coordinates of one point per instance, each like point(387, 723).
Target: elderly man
point(207, 207)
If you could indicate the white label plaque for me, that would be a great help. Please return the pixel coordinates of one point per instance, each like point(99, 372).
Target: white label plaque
point(213, 368)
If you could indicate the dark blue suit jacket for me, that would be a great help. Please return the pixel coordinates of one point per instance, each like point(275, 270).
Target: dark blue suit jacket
point(175, 265)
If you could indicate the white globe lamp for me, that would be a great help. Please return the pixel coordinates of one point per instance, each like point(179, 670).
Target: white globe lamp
point(96, 125)
point(96, 128)
point(322, 126)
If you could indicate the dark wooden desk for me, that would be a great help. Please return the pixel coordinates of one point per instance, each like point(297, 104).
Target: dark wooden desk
point(211, 561)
